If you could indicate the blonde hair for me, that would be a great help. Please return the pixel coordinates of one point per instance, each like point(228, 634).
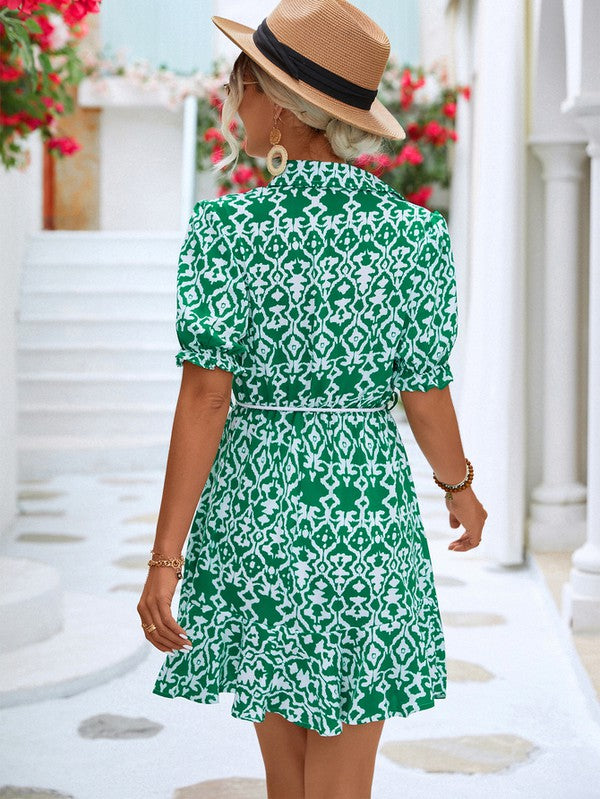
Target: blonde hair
point(346, 140)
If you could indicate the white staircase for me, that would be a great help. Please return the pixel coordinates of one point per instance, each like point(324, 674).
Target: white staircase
point(96, 351)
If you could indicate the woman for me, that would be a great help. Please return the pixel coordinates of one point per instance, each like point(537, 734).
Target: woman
point(307, 588)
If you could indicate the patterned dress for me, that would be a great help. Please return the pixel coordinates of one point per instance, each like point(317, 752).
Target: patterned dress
point(308, 588)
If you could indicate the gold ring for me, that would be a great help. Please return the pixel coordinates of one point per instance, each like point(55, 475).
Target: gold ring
point(145, 626)
point(151, 628)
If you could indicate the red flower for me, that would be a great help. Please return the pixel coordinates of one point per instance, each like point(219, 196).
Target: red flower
point(420, 196)
point(410, 154)
point(43, 38)
point(413, 131)
point(8, 73)
point(79, 8)
point(24, 7)
point(65, 145)
point(449, 110)
point(10, 119)
point(435, 133)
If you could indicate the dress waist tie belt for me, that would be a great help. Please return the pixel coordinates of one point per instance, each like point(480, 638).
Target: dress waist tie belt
point(335, 408)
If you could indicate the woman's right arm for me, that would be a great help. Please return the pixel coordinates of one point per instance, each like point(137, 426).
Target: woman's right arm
point(433, 421)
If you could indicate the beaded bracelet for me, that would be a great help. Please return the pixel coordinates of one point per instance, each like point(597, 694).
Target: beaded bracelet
point(176, 563)
point(452, 489)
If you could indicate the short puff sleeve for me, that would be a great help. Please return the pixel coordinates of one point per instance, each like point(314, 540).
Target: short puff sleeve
point(212, 297)
point(430, 314)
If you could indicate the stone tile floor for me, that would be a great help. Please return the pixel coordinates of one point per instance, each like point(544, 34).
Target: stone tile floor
point(520, 718)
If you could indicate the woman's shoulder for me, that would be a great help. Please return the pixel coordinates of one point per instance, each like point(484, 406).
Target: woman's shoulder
point(221, 207)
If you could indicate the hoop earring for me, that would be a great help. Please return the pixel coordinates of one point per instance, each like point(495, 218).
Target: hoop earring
point(276, 150)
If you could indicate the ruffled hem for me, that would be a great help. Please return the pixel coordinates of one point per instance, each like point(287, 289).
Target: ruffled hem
point(302, 717)
point(433, 378)
point(338, 682)
point(210, 359)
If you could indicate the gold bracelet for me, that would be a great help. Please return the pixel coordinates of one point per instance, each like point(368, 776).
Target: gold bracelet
point(176, 563)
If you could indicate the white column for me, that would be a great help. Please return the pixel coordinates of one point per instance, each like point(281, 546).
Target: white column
point(581, 596)
point(490, 392)
point(557, 512)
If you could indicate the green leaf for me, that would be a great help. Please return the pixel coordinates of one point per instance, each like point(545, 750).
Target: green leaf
point(33, 25)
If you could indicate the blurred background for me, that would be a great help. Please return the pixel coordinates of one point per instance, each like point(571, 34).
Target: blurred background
point(109, 132)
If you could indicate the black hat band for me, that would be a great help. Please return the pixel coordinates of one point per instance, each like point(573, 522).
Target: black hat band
point(302, 68)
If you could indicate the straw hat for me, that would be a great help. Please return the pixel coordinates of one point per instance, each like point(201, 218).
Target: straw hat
point(327, 51)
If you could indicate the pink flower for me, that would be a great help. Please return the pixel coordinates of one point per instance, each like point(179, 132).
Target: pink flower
point(65, 145)
point(362, 160)
point(216, 154)
point(242, 175)
point(213, 133)
point(384, 160)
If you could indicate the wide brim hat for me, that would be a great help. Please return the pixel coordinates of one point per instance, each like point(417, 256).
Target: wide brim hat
point(327, 51)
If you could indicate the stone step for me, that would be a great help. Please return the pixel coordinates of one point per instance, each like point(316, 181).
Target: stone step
point(30, 602)
point(100, 639)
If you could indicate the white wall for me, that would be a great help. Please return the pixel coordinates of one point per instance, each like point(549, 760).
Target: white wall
point(20, 214)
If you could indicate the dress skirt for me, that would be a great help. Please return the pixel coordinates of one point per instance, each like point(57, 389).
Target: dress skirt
point(308, 588)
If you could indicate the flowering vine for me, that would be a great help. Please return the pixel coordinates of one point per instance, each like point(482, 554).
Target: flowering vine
point(423, 101)
point(38, 66)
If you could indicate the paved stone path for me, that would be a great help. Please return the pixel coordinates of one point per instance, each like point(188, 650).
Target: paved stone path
point(519, 719)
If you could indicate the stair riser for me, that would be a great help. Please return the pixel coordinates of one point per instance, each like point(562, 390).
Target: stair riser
point(40, 464)
point(157, 333)
point(122, 304)
point(99, 277)
point(73, 392)
point(101, 423)
point(92, 360)
point(50, 247)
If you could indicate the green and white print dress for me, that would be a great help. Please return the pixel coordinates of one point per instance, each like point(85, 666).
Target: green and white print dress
point(308, 588)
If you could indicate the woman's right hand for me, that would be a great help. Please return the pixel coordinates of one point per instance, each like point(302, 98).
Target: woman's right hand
point(155, 606)
point(467, 510)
